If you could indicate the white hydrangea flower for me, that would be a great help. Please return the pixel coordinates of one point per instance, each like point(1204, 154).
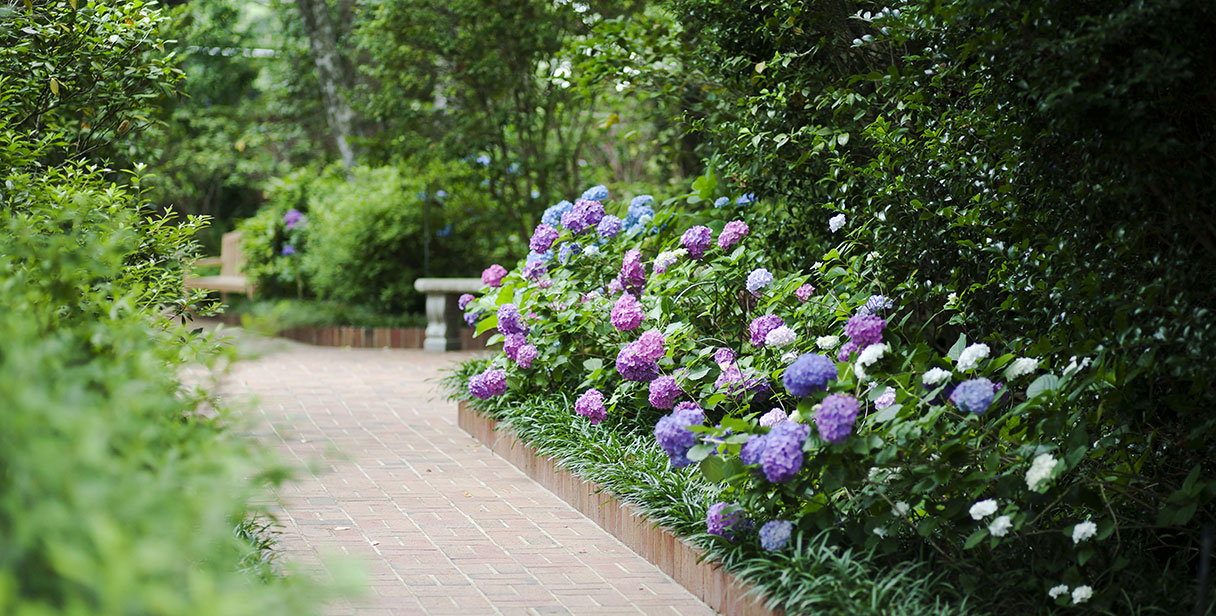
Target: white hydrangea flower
point(827, 343)
point(880, 531)
point(1081, 594)
point(665, 259)
point(983, 509)
point(1074, 366)
point(836, 222)
point(1000, 526)
point(951, 299)
point(592, 251)
point(779, 337)
point(788, 358)
point(1021, 367)
point(872, 353)
point(860, 371)
point(935, 376)
point(971, 356)
point(901, 509)
point(1083, 531)
point(1040, 470)
point(1056, 591)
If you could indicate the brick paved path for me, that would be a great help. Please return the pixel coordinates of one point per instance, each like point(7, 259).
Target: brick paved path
point(442, 525)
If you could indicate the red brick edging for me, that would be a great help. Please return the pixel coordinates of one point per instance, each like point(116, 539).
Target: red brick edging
point(367, 337)
point(710, 583)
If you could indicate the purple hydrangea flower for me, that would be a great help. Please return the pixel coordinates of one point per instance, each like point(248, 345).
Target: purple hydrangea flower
point(735, 384)
point(865, 329)
point(511, 345)
point(752, 450)
point(875, 304)
point(846, 349)
point(584, 215)
point(471, 318)
point(543, 237)
point(596, 193)
point(288, 250)
point(803, 293)
point(974, 396)
point(591, 406)
point(836, 416)
point(675, 438)
point(758, 280)
point(533, 269)
point(734, 231)
point(761, 326)
point(697, 240)
point(627, 313)
point(464, 301)
point(775, 534)
point(633, 273)
point(488, 384)
point(773, 417)
point(614, 286)
point(689, 406)
point(664, 391)
point(553, 215)
point(526, 355)
point(510, 321)
point(292, 218)
point(885, 399)
point(724, 357)
point(650, 345)
point(782, 457)
point(810, 373)
point(609, 226)
point(722, 519)
point(635, 368)
point(493, 275)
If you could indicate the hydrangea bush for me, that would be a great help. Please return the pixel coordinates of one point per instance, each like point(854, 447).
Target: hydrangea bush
point(807, 396)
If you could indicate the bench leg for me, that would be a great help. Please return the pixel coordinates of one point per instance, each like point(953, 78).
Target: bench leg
point(443, 323)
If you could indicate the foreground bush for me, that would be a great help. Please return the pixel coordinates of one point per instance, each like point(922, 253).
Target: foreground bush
point(819, 406)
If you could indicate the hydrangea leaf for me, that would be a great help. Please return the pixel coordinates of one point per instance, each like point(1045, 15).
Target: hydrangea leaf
point(957, 350)
point(1045, 383)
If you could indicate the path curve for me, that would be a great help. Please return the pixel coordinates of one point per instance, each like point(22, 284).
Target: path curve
point(441, 524)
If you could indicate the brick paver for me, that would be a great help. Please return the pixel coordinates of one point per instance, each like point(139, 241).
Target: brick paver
point(440, 524)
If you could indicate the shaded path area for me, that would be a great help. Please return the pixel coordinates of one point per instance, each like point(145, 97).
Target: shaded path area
point(440, 524)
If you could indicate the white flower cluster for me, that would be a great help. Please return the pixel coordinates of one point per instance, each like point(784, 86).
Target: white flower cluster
point(1040, 471)
point(1083, 531)
point(1000, 526)
point(780, 337)
point(1080, 594)
point(935, 376)
point(827, 343)
point(971, 356)
point(901, 509)
point(983, 509)
point(867, 357)
point(836, 222)
point(1021, 367)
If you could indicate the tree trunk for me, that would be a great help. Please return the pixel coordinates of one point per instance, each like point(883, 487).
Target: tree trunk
point(333, 74)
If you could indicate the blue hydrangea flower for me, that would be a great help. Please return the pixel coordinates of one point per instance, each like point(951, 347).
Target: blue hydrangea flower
point(567, 252)
point(639, 212)
point(483, 160)
point(758, 280)
point(752, 450)
point(609, 226)
point(875, 304)
point(596, 193)
point(775, 534)
point(553, 215)
point(673, 434)
point(722, 202)
point(810, 373)
point(746, 199)
point(974, 396)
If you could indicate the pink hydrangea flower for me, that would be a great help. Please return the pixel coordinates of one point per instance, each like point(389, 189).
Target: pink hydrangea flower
point(804, 292)
point(734, 231)
point(493, 275)
point(627, 313)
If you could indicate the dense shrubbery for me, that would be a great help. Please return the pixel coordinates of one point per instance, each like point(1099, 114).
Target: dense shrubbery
point(119, 492)
point(987, 458)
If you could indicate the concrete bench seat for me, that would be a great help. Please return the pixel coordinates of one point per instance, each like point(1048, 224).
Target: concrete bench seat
point(443, 317)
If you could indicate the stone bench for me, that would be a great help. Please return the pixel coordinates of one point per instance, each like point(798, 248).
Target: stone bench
point(443, 317)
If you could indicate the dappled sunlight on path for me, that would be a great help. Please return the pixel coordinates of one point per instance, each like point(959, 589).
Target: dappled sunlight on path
point(440, 524)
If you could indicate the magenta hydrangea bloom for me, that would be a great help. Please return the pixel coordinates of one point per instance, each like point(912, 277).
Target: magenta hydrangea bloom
point(512, 344)
point(773, 417)
point(543, 238)
point(608, 227)
point(865, 329)
point(782, 457)
point(974, 396)
point(775, 534)
point(836, 416)
point(734, 231)
point(527, 354)
point(627, 313)
point(633, 273)
point(804, 292)
point(697, 240)
point(493, 275)
point(724, 357)
point(723, 519)
point(650, 345)
point(673, 434)
point(810, 373)
point(510, 321)
point(634, 368)
point(591, 406)
point(664, 391)
point(761, 326)
point(464, 301)
point(488, 384)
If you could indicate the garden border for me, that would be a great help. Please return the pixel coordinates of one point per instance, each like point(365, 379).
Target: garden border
point(705, 579)
point(367, 337)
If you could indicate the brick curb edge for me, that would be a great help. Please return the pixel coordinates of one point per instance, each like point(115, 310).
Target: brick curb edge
point(719, 589)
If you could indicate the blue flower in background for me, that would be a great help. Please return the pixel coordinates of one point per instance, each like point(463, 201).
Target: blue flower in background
point(445, 231)
point(596, 193)
point(288, 250)
point(513, 168)
point(536, 194)
point(553, 215)
point(722, 202)
point(540, 256)
point(483, 160)
point(441, 194)
point(567, 251)
point(746, 199)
